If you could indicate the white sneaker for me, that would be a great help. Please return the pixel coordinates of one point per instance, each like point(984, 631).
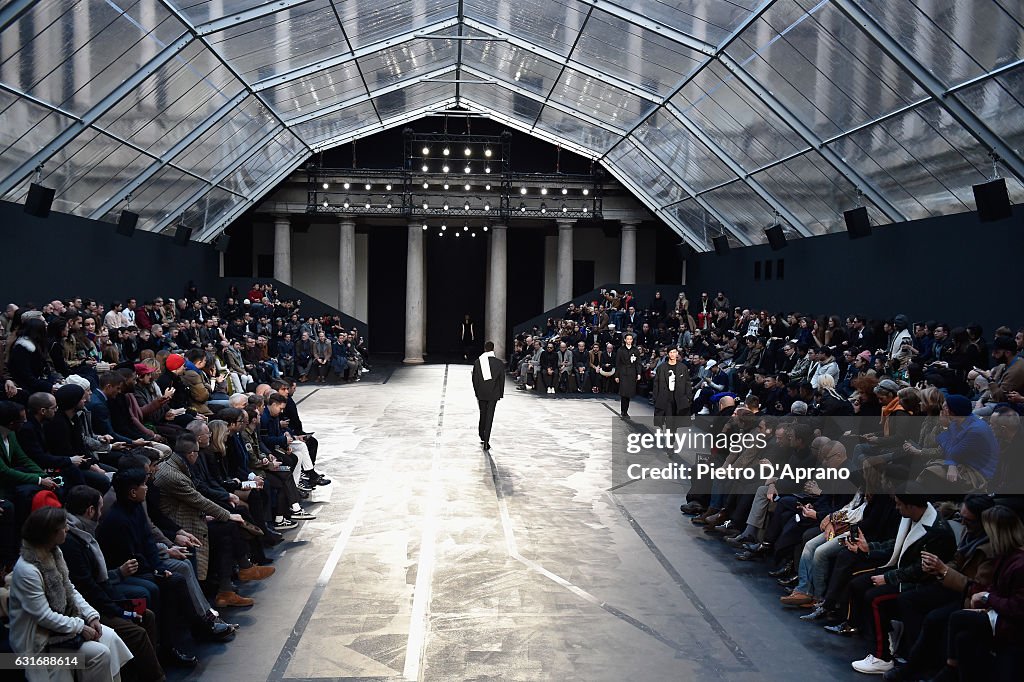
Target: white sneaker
point(364, 370)
point(704, 411)
point(872, 666)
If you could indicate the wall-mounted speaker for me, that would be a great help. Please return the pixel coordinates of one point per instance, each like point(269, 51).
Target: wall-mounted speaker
point(721, 245)
point(684, 250)
point(126, 223)
point(776, 237)
point(182, 235)
point(39, 200)
point(992, 200)
point(858, 224)
point(222, 242)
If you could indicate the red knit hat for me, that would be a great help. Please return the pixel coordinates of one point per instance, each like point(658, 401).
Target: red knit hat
point(174, 361)
point(45, 498)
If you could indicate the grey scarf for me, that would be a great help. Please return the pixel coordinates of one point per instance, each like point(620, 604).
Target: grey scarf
point(85, 530)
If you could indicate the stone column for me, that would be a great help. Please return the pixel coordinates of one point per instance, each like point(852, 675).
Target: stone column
point(347, 266)
point(497, 283)
point(414, 297)
point(563, 277)
point(627, 262)
point(283, 249)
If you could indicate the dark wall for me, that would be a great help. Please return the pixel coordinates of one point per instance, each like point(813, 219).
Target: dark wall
point(63, 256)
point(388, 251)
point(456, 285)
point(950, 268)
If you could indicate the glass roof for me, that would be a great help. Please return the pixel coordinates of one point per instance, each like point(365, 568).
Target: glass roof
point(722, 116)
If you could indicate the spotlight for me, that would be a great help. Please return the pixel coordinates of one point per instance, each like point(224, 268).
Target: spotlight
point(522, 207)
point(388, 187)
point(440, 234)
point(444, 227)
point(586, 191)
point(466, 187)
point(446, 151)
point(367, 204)
point(543, 190)
point(487, 187)
point(543, 208)
point(465, 228)
point(444, 168)
point(467, 169)
point(519, 74)
point(426, 151)
point(425, 206)
point(368, 185)
point(564, 191)
point(472, 234)
point(467, 151)
point(458, 234)
point(485, 228)
point(426, 185)
point(487, 153)
point(564, 208)
point(425, 168)
point(445, 185)
point(487, 206)
point(326, 185)
point(487, 169)
point(584, 209)
point(424, 227)
point(346, 203)
point(465, 207)
point(389, 203)
point(325, 203)
point(522, 190)
point(444, 206)
point(346, 185)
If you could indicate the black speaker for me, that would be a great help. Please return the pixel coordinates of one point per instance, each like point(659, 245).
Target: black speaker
point(721, 245)
point(222, 242)
point(776, 237)
point(857, 223)
point(39, 200)
point(126, 223)
point(684, 250)
point(992, 200)
point(182, 235)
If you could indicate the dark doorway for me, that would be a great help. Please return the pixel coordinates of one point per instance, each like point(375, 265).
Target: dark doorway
point(582, 277)
point(265, 265)
point(456, 283)
point(525, 276)
point(385, 279)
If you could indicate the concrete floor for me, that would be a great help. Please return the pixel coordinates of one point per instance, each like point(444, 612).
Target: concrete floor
point(430, 560)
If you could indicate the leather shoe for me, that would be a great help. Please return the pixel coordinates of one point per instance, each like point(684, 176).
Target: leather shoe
point(255, 573)
point(844, 629)
point(487, 445)
point(817, 614)
point(747, 556)
point(797, 599)
point(790, 581)
point(758, 547)
point(225, 599)
point(785, 569)
point(216, 630)
point(738, 542)
point(180, 658)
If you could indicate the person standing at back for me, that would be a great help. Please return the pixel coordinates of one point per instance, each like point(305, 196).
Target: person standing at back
point(489, 386)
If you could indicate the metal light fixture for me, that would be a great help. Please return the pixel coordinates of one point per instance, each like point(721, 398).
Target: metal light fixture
point(426, 151)
point(368, 186)
point(425, 205)
point(586, 191)
point(485, 228)
point(465, 228)
point(326, 185)
point(389, 203)
point(487, 152)
point(444, 206)
point(543, 207)
point(522, 207)
point(444, 227)
point(564, 191)
point(346, 185)
point(426, 185)
point(346, 203)
point(424, 227)
point(522, 190)
point(467, 151)
point(445, 185)
point(543, 190)
point(367, 204)
point(388, 187)
point(487, 187)
point(444, 168)
point(467, 169)
point(446, 151)
point(487, 206)
point(466, 187)
point(564, 208)
point(472, 234)
point(487, 169)
point(325, 203)
point(465, 207)
point(425, 168)
point(458, 234)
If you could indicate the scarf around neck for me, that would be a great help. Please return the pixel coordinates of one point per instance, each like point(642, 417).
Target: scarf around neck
point(56, 583)
point(85, 530)
point(485, 365)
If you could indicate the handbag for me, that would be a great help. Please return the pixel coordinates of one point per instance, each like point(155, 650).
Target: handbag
point(71, 644)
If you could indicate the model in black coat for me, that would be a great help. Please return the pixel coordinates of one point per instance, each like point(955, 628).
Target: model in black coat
point(627, 372)
point(488, 391)
point(672, 397)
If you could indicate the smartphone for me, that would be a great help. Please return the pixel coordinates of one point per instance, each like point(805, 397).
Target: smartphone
point(854, 532)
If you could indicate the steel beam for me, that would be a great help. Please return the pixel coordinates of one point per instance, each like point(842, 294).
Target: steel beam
point(13, 10)
point(358, 53)
point(663, 29)
point(953, 106)
point(95, 112)
point(167, 157)
point(524, 127)
point(385, 124)
point(239, 18)
point(640, 192)
point(735, 167)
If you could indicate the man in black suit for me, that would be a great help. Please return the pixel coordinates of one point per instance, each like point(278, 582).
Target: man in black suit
point(489, 386)
point(672, 389)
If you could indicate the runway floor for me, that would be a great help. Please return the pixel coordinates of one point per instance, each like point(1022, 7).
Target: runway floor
point(432, 560)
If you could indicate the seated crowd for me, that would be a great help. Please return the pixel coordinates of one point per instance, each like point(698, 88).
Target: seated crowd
point(138, 488)
point(921, 550)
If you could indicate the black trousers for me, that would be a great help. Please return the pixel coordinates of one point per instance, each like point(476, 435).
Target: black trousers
point(227, 548)
point(872, 608)
point(917, 605)
point(486, 418)
point(928, 652)
point(846, 565)
point(970, 644)
point(10, 537)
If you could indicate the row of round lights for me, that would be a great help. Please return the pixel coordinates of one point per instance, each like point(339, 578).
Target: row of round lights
point(447, 151)
point(544, 191)
point(467, 169)
point(544, 208)
point(368, 186)
point(447, 206)
point(457, 233)
point(426, 185)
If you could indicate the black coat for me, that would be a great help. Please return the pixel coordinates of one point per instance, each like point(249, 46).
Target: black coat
point(683, 390)
point(493, 389)
point(627, 369)
point(82, 571)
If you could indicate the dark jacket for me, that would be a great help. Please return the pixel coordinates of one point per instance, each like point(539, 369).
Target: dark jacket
point(1006, 597)
point(683, 392)
point(124, 534)
point(33, 443)
point(491, 390)
point(82, 570)
point(627, 369)
point(206, 483)
point(64, 436)
point(931, 534)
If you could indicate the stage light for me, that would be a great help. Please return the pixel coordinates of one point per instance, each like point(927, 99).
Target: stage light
point(444, 206)
point(518, 75)
point(564, 191)
point(466, 187)
point(446, 151)
point(368, 186)
point(388, 187)
point(425, 168)
point(426, 185)
point(564, 208)
point(346, 203)
point(440, 234)
point(467, 151)
point(367, 204)
point(389, 203)
point(543, 208)
point(346, 185)
point(584, 209)
point(444, 227)
point(472, 234)
point(487, 152)
point(326, 185)
point(445, 185)
point(465, 207)
point(487, 169)
point(444, 168)
point(426, 151)
point(467, 169)
point(485, 228)
point(458, 234)
point(522, 190)
point(522, 206)
point(425, 206)
point(543, 190)
point(424, 227)
point(487, 187)
point(325, 203)
point(586, 191)
point(465, 228)
point(487, 206)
